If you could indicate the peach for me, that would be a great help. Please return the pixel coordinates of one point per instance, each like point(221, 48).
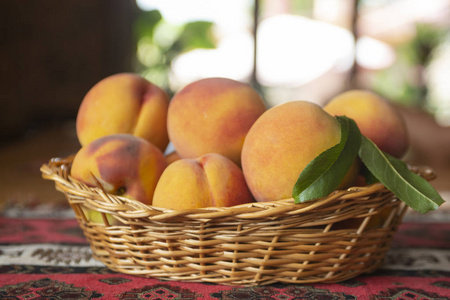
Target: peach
point(122, 164)
point(376, 118)
point(351, 178)
point(213, 115)
point(281, 143)
point(124, 103)
point(211, 180)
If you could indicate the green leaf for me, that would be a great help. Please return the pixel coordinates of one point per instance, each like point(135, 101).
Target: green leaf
point(368, 176)
point(146, 22)
point(195, 35)
point(324, 174)
point(394, 174)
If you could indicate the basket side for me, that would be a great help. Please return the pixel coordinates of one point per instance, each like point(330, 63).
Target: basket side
point(327, 240)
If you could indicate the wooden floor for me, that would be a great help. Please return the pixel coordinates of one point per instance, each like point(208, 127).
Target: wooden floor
point(22, 185)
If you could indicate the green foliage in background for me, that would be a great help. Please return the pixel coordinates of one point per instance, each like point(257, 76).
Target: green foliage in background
point(303, 7)
point(159, 42)
point(405, 81)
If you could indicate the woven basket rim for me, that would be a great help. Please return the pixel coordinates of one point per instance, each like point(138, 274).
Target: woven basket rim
point(58, 170)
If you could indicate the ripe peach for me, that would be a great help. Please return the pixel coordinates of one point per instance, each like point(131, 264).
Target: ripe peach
point(122, 164)
point(376, 119)
point(210, 180)
point(281, 143)
point(213, 115)
point(351, 178)
point(124, 103)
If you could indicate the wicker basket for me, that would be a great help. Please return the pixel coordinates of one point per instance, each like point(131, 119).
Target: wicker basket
point(326, 240)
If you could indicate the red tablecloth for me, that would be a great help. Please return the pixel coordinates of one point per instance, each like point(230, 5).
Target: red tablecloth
point(50, 259)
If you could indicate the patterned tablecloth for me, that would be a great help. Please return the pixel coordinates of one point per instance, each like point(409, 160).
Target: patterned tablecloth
point(48, 258)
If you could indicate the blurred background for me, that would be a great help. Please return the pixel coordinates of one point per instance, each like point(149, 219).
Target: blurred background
point(54, 51)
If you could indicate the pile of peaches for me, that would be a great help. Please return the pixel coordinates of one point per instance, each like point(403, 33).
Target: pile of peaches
point(228, 147)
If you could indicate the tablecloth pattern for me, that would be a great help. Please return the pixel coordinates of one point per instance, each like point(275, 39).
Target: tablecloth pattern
point(49, 258)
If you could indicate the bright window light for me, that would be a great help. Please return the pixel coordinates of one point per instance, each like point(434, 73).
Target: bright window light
point(373, 54)
point(294, 50)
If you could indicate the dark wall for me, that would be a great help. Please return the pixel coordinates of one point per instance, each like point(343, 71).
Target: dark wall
point(53, 51)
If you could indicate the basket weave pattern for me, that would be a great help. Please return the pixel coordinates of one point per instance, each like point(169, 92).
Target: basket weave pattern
point(251, 244)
